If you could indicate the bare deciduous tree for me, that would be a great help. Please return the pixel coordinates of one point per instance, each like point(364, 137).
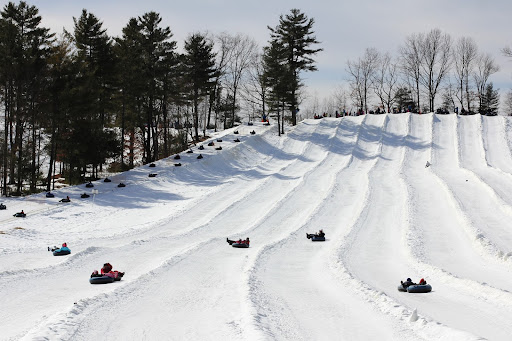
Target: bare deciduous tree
point(435, 62)
point(362, 72)
point(341, 98)
point(385, 82)
point(254, 91)
point(508, 103)
point(241, 56)
point(507, 51)
point(465, 54)
point(485, 67)
point(410, 56)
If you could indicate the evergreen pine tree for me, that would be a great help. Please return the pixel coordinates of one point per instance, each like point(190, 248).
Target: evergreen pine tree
point(24, 50)
point(490, 101)
point(200, 71)
point(296, 36)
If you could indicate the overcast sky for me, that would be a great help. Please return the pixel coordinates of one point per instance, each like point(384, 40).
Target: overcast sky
point(344, 28)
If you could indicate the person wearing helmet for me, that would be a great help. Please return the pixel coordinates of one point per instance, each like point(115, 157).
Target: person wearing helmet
point(321, 233)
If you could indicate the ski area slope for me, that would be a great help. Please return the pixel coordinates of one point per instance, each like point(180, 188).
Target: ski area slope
point(363, 180)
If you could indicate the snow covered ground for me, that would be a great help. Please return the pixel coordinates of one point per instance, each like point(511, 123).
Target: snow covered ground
point(363, 180)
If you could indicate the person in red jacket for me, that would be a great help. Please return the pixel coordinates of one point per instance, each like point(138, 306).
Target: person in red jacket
point(106, 270)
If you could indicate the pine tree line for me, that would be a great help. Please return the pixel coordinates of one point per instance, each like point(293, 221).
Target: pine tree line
point(82, 101)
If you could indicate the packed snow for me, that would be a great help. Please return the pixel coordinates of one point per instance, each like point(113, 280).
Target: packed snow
point(407, 195)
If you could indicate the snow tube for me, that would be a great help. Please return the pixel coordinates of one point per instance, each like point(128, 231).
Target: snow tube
point(3, 207)
point(62, 251)
point(89, 185)
point(107, 180)
point(65, 200)
point(152, 165)
point(240, 245)
point(50, 195)
point(20, 215)
point(318, 239)
point(121, 185)
point(401, 288)
point(419, 288)
point(85, 195)
point(101, 280)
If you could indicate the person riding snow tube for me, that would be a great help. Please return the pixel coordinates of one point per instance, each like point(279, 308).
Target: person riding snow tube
point(20, 214)
point(62, 251)
point(421, 287)
point(411, 287)
point(3, 207)
point(107, 275)
point(84, 195)
point(239, 243)
point(50, 195)
point(66, 199)
point(316, 237)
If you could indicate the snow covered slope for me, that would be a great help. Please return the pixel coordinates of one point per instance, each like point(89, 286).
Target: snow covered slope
point(363, 180)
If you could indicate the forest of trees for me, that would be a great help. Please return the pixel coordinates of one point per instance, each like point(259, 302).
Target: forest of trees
point(81, 101)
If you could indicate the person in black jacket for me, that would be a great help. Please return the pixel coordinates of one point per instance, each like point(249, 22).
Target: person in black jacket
point(407, 283)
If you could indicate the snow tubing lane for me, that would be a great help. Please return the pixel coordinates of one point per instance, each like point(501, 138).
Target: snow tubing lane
point(61, 252)
point(241, 246)
point(101, 280)
point(419, 288)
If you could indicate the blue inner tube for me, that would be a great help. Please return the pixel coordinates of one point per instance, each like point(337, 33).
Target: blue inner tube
point(62, 251)
point(419, 288)
point(101, 280)
point(318, 239)
point(240, 245)
point(401, 288)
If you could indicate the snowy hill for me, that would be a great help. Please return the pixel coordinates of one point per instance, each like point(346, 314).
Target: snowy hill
point(363, 180)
